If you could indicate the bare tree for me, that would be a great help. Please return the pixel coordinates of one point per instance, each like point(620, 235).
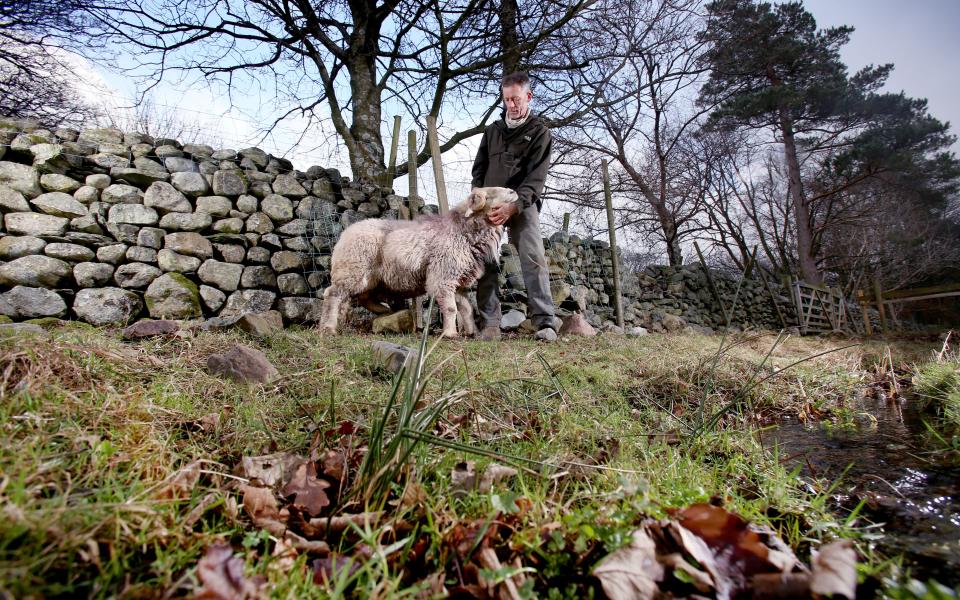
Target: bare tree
point(646, 127)
point(348, 61)
point(34, 80)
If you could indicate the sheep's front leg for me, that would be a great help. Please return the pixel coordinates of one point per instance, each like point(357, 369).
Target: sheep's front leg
point(447, 302)
point(465, 314)
point(333, 305)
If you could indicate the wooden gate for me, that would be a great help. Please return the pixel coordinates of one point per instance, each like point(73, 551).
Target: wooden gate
point(820, 309)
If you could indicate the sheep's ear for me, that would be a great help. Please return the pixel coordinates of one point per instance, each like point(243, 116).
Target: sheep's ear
point(475, 201)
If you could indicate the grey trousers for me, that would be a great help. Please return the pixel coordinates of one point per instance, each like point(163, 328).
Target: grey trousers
point(524, 233)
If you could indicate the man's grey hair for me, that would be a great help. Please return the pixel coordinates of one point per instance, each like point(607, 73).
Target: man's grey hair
point(517, 78)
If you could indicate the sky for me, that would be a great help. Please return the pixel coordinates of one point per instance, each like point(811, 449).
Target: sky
point(919, 37)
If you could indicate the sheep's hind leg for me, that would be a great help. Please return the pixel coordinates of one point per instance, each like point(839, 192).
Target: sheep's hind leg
point(465, 315)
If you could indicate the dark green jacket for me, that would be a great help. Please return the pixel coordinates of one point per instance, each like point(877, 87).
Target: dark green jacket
point(515, 158)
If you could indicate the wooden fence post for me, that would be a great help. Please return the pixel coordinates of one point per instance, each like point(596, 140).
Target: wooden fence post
point(392, 166)
point(566, 222)
point(437, 165)
point(413, 204)
point(864, 311)
point(878, 295)
point(712, 286)
point(608, 197)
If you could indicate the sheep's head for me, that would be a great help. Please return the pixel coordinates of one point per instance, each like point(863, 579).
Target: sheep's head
point(481, 200)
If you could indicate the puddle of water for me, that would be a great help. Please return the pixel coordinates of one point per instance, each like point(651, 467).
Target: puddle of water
point(914, 493)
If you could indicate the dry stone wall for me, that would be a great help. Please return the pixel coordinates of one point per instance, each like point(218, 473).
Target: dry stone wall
point(108, 227)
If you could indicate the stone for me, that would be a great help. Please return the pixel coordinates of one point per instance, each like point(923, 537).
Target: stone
point(177, 164)
point(278, 208)
point(576, 324)
point(53, 182)
point(286, 261)
point(87, 195)
point(248, 204)
point(228, 183)
point(399, 322)
point(152, 167)
point(96, 136)
point(12, 201)
point(168, 260)
point(115, 149)
point(146, 328)
point(31, 303)
point(92, 274)
point(191, 184)
point(230, 253)
point(224, 276)
point(224, 154)
point(393, 357)
point(124, 232)
point(173, 296)
point(261, 325)
point(59, 204)
point(166, 199)
point(151, 237)
point(112, 254)
point(15, 329)
point(234, 225)
point(165, 151)
point(296, 227)
point(511, 320)
point(20, 178)
point(257, 156)
point(259, 223)
point(35, 270)
point(189, 243)
point(673, 323)
point(287, 185)
point(217, 206)
point(99, 181)
point(186, 221)
point(136, 177)
point(636, 331)
point(260, 189)
point(135, 275)
point(199, 150)
point(212, 298)
point(69, 252)
point(133, 214)
point(121, 193)
point(17, 246)
point(108, 161)
point(296, 309)
point(258, 276)
point(141, 254)
point(242, 364)
point(106, 306)
point(243, 301)
point(297, 244)
point(292, 284)
point(52, 159)
point(271, 241)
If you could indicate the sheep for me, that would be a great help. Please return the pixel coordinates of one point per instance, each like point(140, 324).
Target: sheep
point(437, 255)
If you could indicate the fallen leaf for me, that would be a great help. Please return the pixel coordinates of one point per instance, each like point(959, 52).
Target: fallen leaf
point(334, 465)
point(221, 574)
point(307, 489)
point(493, 474)
point(261, 505)
point(835, 570)
point(182, 484)
point(284, 556)
point(332, 567)
point(632, 571)
point(270, 470)
point(729, 534)
point(463, 478)
point(695, 547)
point(210, 422)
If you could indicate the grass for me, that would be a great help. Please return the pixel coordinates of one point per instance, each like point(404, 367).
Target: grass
point(117, 460)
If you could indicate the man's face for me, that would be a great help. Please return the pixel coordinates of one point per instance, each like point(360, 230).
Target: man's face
point(516, 99)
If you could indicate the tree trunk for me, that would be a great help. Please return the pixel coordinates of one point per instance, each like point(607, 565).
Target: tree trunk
point(366, 153)
point(508, 36)
point(801, 210)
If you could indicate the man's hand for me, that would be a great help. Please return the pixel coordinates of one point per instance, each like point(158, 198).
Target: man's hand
point(501, 213)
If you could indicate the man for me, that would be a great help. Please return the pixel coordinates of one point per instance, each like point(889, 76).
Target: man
point(515, 153)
